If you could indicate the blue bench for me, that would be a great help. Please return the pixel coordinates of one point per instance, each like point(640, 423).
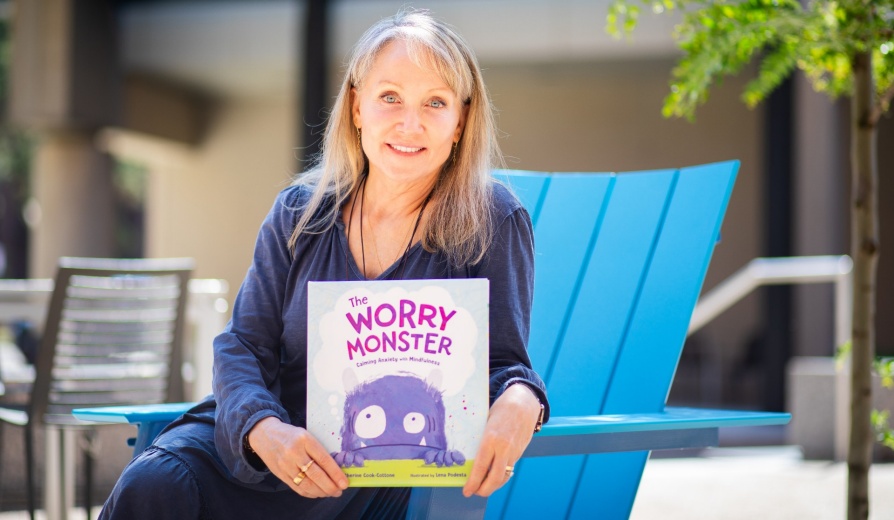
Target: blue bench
point(620, 262)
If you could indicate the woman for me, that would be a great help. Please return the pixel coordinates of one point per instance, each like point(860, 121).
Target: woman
point(401, 190)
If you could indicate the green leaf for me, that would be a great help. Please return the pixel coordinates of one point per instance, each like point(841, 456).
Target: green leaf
point(776, 67)
point(884, 367)
point(842, 353)
point(883, 432)
point(622, 18)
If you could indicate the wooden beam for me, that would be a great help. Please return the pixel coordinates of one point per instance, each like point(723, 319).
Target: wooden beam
point(160, 109)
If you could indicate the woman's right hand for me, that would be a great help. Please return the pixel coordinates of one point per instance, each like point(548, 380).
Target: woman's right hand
point(287, 449)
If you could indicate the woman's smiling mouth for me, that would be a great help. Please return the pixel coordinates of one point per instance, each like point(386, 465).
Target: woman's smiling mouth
point(404, 149)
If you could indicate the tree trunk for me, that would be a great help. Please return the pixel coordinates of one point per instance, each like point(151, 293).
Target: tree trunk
point(864, 249)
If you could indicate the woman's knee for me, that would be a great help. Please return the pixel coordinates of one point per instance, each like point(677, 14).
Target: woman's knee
point(157, 484)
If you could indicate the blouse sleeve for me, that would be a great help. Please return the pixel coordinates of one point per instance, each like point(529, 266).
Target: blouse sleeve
point(246, 353)
point(509, 265)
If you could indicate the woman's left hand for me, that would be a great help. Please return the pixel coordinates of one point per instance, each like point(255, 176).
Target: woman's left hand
point(510, 426)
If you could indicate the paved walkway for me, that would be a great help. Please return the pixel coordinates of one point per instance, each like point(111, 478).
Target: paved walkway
point(732, 484)
point(755, 483)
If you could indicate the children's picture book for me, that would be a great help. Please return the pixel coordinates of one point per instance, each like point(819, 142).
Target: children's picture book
point(397, 387)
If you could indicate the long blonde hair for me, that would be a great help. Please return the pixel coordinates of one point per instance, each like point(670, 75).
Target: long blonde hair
point(458, 222)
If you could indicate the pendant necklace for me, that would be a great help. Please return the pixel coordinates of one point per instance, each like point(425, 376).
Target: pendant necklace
point(403, 260)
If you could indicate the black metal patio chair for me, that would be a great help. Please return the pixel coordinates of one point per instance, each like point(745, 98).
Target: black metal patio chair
point(113, 336)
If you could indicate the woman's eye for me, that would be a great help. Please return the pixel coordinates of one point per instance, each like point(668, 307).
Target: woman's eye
point(437, 103)
point(389, 98)
point(414, 422)
point(370, 422)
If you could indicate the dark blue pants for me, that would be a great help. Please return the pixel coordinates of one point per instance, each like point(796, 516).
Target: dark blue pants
point(181, 477)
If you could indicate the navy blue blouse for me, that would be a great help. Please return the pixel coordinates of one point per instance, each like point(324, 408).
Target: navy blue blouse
point(260, 359)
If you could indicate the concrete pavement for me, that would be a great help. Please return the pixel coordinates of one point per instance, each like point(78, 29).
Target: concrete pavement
point(755, 483)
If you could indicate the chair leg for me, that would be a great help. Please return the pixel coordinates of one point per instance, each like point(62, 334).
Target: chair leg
point(89, 448)
point(29, 469)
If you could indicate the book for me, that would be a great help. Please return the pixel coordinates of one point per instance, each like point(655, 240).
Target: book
point(397, 386)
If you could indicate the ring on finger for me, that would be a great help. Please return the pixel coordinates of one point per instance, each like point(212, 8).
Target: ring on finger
point(510, 470)
point(297, 480)
point(307, 466)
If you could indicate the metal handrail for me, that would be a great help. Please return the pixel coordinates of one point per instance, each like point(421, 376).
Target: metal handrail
point(781, 271)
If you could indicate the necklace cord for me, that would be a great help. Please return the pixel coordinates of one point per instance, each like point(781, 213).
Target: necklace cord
point(362, 247)
point(403, 260)
point(350, 225)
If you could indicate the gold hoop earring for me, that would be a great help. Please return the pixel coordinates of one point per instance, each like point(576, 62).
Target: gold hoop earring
point(359, 142)
point(455, 146)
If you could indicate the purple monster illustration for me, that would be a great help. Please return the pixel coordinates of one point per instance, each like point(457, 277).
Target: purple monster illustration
point(395, 417)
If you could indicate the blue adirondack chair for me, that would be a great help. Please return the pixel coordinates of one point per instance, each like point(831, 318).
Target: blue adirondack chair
point(620, 262)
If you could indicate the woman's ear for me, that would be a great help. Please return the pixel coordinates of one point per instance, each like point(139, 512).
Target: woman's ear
point(461, 125)
point(355, 107)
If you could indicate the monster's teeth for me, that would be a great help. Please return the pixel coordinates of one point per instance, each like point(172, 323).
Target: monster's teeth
point(423, 442)
point(362, 444)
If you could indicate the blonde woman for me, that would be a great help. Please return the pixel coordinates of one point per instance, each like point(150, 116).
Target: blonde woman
point(401, 190)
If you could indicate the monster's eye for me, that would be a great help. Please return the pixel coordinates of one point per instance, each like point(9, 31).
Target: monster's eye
point(414, 422)
point(370, 422)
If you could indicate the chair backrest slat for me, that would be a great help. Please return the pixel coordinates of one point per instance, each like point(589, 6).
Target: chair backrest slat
point(529, 187)
point(658, 327)
point(561, 242)
point(616, 267)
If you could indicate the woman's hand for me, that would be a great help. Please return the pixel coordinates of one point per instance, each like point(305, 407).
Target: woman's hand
point(510, 426)
point(297, 458)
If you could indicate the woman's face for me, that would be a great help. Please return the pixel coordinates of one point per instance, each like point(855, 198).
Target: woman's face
point(408, 116)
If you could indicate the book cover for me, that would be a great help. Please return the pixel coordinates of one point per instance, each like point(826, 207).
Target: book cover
point(397, 387)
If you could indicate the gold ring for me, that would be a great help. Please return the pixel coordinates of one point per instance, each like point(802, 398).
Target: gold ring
point(307, 466)
point(297, 480)
point(510, 469)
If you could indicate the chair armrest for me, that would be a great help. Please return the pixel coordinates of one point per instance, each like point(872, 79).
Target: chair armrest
point(133, 414)
point(150, 419)
point(577, 435)
point(672, 429)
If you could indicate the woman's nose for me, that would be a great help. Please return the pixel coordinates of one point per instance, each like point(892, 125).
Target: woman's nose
point(411, 121)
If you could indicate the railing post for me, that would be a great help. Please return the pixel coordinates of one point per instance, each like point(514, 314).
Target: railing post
point(206, 314)
point(843, 295)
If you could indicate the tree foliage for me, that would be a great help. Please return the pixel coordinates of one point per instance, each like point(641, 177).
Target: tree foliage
point(880, 418)
point(720, 37)
point(844, 47)
point(884, 368)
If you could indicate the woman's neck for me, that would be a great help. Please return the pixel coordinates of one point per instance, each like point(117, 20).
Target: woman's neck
point(386, 200)
point(383, 221)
